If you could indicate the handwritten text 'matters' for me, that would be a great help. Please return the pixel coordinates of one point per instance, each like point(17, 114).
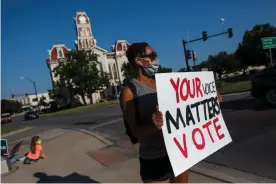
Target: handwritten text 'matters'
point(210, 107)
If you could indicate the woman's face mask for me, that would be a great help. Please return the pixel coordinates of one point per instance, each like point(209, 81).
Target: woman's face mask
point(152, 63)
point(151, 68)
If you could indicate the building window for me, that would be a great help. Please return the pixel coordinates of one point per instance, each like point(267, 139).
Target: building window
point(124, 47)
point(109, 68)
point(60, 54)
point(115, 72)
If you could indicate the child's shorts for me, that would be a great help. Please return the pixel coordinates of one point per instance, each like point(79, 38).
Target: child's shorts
point(29, 161)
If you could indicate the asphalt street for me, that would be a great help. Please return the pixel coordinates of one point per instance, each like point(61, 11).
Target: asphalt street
point(251, 124)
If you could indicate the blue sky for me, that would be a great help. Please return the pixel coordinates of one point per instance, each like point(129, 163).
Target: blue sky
point(30, 28)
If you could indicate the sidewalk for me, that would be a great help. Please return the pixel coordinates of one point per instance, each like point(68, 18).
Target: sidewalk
point(81, 157)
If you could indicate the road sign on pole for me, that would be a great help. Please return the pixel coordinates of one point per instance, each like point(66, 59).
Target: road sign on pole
point(269, 42)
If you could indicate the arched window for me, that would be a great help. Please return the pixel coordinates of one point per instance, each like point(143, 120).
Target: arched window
point(82, 32)
point(60, 54)
point(115, 71)
point(109, 68)
point(87, 43)
point(80, 44)
point(124, 47)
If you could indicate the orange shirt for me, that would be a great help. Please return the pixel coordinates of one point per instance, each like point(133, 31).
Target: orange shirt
point(38, 149)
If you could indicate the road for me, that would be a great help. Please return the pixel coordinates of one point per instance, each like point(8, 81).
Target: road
point(251, 124)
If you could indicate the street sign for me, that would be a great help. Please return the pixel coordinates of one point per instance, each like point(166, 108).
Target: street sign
point(4, 147)
point(269, 43)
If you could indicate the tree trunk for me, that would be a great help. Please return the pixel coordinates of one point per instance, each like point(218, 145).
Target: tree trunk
point(71, 99)
point(83, 99)
point(91, 98)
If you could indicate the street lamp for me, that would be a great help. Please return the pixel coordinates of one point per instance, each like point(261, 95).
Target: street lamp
point(33, 82)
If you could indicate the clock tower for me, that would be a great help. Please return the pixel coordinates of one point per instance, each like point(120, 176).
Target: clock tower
point(85, 39)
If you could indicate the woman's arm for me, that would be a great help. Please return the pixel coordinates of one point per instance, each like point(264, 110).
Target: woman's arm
point(128, 107)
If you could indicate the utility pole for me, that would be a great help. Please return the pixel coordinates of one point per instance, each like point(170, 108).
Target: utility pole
point(185, 54)
point(33, 82)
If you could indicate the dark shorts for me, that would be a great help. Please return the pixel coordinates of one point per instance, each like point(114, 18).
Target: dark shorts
point(156, 169)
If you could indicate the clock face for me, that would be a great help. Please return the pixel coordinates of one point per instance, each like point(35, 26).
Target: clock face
point(82, 19)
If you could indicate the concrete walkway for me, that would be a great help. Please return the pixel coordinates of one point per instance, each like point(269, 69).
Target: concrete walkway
point(78, 157)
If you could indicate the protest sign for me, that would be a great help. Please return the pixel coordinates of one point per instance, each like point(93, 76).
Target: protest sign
point(193, 124)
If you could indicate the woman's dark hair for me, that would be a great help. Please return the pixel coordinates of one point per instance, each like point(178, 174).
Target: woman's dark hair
point(34, 143)
point(136, 49)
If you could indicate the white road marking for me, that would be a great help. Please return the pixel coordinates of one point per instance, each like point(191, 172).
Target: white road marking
point(105, 124)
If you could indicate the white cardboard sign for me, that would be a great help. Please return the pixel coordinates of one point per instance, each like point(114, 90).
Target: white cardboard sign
point(193, 124)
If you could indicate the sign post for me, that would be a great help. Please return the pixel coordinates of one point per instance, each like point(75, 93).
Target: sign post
point(193, 125)
point(269, 43)
point(4, 147)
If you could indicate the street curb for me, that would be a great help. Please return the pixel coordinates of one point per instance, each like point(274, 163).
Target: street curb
point(16, 132)
point(100, 138)
point(228, 175)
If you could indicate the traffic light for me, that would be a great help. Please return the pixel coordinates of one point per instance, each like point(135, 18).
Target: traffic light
point(230, 32)
point(204, 35)
point(194, 56)
point(189, 54)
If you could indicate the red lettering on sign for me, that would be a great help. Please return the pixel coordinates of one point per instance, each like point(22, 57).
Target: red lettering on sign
point(217, 128)
point(184, 97)
point(186, 88)
point(175, 87)
point(207, 126)
point(198, 86)
point(198, 145)
point(183, 149)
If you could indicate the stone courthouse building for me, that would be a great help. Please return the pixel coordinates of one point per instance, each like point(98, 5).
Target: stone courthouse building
point(110, 62)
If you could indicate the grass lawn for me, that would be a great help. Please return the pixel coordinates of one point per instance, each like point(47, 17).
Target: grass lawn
point(234, 87)
point(84, 108)
point(7, 130)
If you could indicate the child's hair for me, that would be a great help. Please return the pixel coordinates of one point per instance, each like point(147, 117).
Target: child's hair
point(34, 143)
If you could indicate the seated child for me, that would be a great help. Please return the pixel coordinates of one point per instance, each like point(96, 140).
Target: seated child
point(36, 151)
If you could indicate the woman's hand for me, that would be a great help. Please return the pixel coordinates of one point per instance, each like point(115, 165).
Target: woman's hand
point(219, 97)
point(157, 118)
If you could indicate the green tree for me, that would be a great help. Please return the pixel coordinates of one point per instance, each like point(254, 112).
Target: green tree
point(164, 70)
point(221, 63)
point(250, 51)
point(182, 70)
point(79, 73)
point(10, 106)
point(128, 71)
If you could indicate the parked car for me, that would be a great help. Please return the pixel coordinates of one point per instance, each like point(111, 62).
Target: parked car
point(31, 115)
point(264, 85)
point(5, 118)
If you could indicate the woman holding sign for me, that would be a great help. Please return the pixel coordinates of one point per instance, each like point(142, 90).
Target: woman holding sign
point(140, 110)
